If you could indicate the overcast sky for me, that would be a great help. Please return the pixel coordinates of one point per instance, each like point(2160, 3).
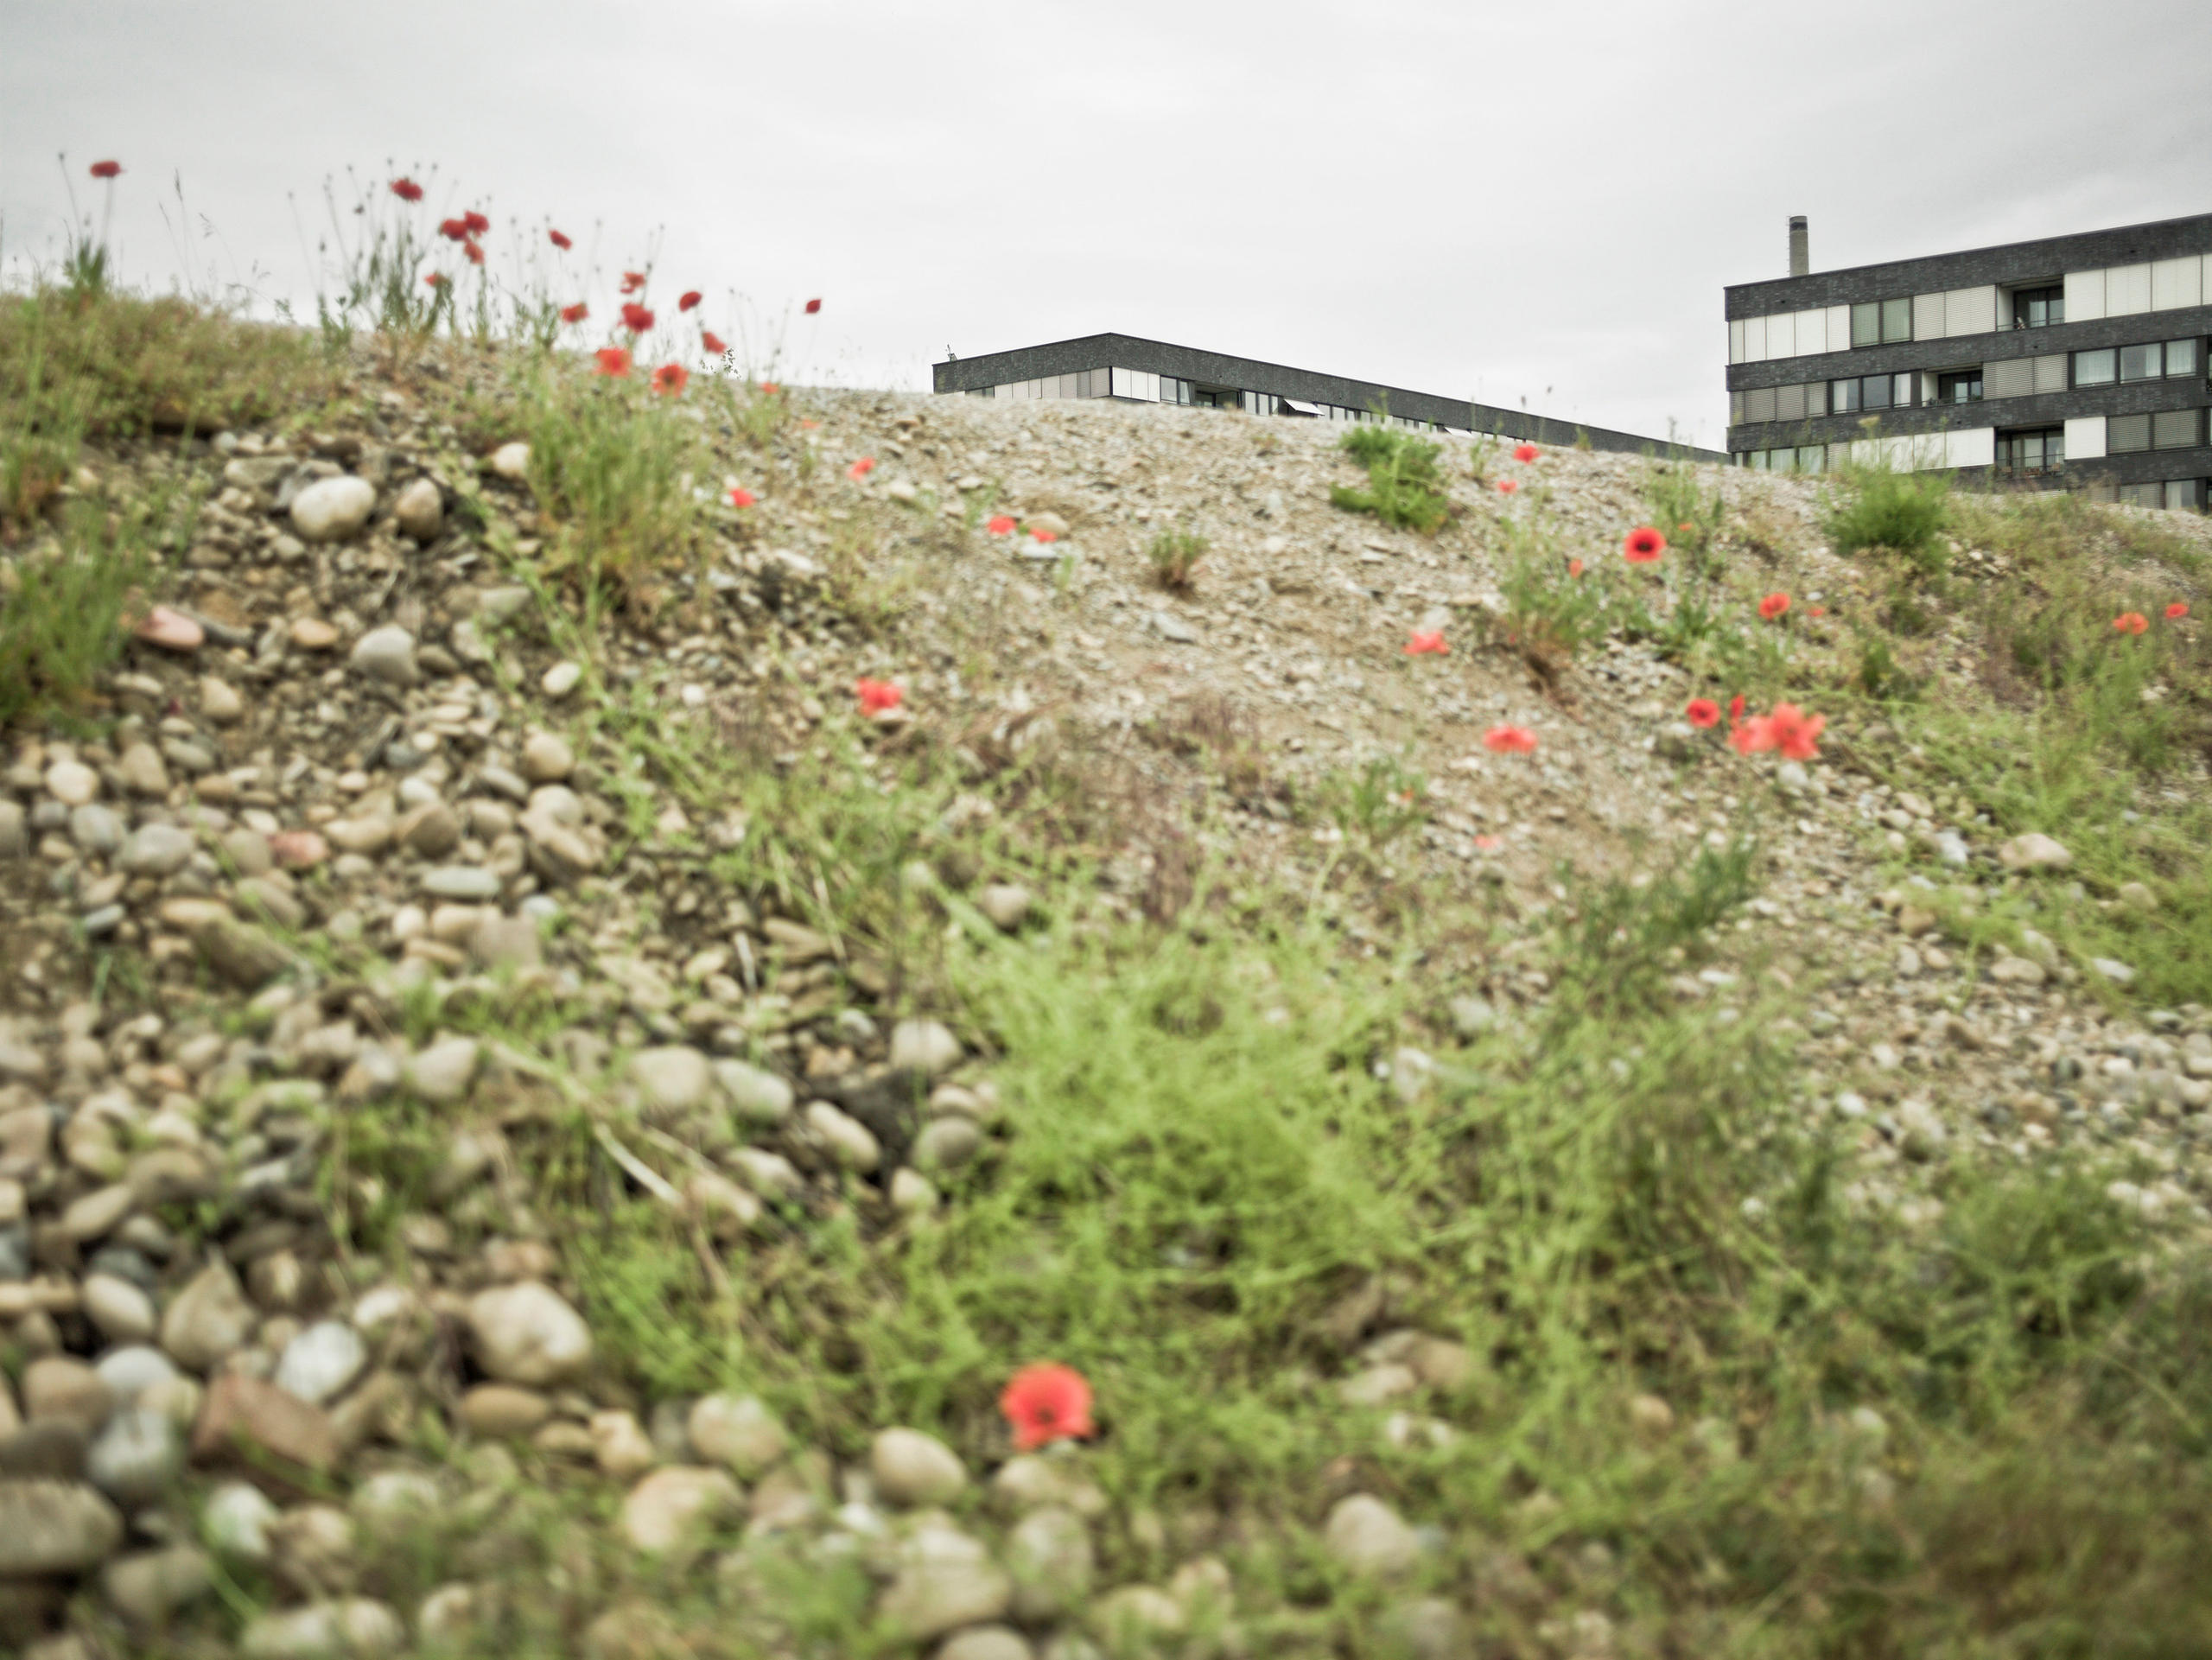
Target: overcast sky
point(1534, 200)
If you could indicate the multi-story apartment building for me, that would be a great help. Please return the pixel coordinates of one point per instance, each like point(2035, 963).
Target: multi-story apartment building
point(1129, 370)
point(2074, 362)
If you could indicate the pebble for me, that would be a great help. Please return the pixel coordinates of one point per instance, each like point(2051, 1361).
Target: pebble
point(1369, 1538)
point(331, 510)
point(443, 1073)
point(560, 680)
point(947, 1581)
point(738, 1431)
point(620, 1447)
point(671, 1508)
point(172, 631)
point(236, 1522)
point(2033, 850)
point(240, 952)
point(54, 1527)
point(72, 783)
point(912, 1468)
point(136, 1456)
point(207, 1320)
point(123, 1313)
point(321, 1361)
point(1005, 904)
point(674, 1079)
point(511, 460)
point(62, 1389)
point(547, 758)
point(387, 655)
point(470, 882)
point(1050, 1555)
point(850, 1143)
point(134, 1369)
point(755, 1096)
point(986, 1643)
point(157, 850)
point(948, 1143)
point(351, 1628)
point(924, 1046)
point(420, 510)
point(141, 772)
point(503, 1411)
point(149, 1586)
point(527, 1333)
point(13, 841)
point(312, 634)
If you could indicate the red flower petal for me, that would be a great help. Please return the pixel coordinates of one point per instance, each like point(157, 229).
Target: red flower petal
point(670, 377)
point(1046, 1402)
point(574, 314)
point(1703, 712)
point(1509, 739)
point(475, 254)
point(1422, 644)
point(406, 189)
point(1524, 452)
point(632, 281)
point(453, 230)
point(613, 360)
point(876, 695)
point(1643, 545)
point(813, 306)
point(742, 497)
point(1773, 606)
point(713, 342)
point(477, 224)
point(860, 469)
point(560, 241)
point(636, 318)
point(999, 525)
point(107, 169)
point(1507, 487)
point(2177, 609)
point(1574, 567)
point(688, 299)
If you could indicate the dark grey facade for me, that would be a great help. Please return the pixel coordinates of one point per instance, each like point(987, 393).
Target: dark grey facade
point(2074, 362)
point(1124, 367)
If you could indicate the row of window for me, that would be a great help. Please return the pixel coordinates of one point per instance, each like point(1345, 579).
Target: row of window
point(2015, 378)
point(1142, 387)
point(2026, 454)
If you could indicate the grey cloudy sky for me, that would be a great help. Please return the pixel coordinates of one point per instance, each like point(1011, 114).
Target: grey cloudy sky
point(1534, 200)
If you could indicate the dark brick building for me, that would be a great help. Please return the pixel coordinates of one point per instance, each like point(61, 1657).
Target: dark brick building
point(2075, 362)
point(1130, 370)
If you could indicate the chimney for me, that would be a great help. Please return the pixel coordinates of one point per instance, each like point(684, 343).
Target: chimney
point(1801, 255)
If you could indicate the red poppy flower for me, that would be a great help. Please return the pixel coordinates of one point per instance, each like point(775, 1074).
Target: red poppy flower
point(1702, 713)
point(771, 389)
point(670, 377)
point(1773, 606)
point(1574, 567)
point(1685, 526)
point(477, 224)
point(1524, 452)
point(475, 254)
point(1043, 536)
point(632, 281)
point(999, 525)
point(1643, 545)
point(1795, 732)
point(713, 342)
point(876, 695)
point(813, 306)
point(453, 230)
point(1420, 643)
point(407, 190)
point(435, 279)
point(1753, 735)
point(689, 298)
point(636, 318)
point(860, 469)
point(107, 169)
point(1507, 487)
point(613, 360)
point(2179, 609)
point(1736, 708)
point(1509, 739)
point(742, 496)
point(561, 240)
point(574, 314)
point(2131, 623)
point(1816, 610)
point(1045, 1402)
point(1487, 843)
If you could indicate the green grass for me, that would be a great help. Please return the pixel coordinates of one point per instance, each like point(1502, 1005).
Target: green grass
point(1404, 486)
point(65, 604)
point(1173, 555)
point(1877, 507)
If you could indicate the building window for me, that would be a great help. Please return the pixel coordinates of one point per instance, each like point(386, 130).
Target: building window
point(2096, 368)
point(1881, 323)
point(2125, 433)
point(2038, 449)
point(2142, 362)
point(2177, 429)
point(1961, 387)
point(2185, 495)
point(2039, 308)
point(2182, 358)
point(1870, 393)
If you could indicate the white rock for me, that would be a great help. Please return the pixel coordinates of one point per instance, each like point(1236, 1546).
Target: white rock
point(387, 655)
point(351, 1628)
point(1368, 1537)
point(736, 1430)
point(561, 679)
point(851, 1141)
point(672, 1508)
point(757, 1097)
point(208, 1320)
point(154, 850)
point(136, 1456)
point(511, 461)
point(547, 758)
point(1050, 1555)
point(236, 1521)
point(442, 1073)
point(2034, 851)
point(321, 1361)
point(1005, 904)
point(925, 1045)
point(420, 512)
point(947, 1144)
point(330, 510)
point(123, 1313)
point(54, 1527)
point(72, 783)
point(673, 1079)
point(527, 1333)
point(911, 1468)
point(947, 1581)
point(149, 1586)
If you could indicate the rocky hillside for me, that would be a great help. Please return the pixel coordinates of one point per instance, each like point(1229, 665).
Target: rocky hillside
point(569, 1033)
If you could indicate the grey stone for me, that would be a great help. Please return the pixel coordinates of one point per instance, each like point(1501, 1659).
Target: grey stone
point(350, 1628)
point(208, 1320)
point(1429, 1628)
point(985, 1643)
point(669, 1510)
point(674, 1079)
point(149, 1586)
point(240, 953)
point(469, 882)
point(2033, 850)
point(851, 1143)
point(511, 460)
point(1050, 1555)
point(947, 1581)
point(1369, 1538)
point(330, 510)
point(560, 680)
point(948, 1143)
point(1005, 904)
point(925, 1046)
point(136, 1456)
point(738, 1431)
point(420, 510)
point(54, 1527)
point(913, 1468)
point(443, 1073)
point(236, 1521)
point(123, 1313)
point(141, 769)
point(100, 830)
point(527, 1333)
point(130, 1371)
point(387, 655)
point(155, 850)
point(547, 758)
point(14, 842)
point(755, 1096)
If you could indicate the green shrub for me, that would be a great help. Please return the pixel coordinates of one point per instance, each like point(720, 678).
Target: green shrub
point(1878, 506)
point(1404, 486)
point(61, 619)
point(1174, 555)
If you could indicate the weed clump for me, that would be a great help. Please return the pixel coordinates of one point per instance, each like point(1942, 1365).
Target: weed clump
point(1405, 488)
point(1881, 507)
point(1174, 555)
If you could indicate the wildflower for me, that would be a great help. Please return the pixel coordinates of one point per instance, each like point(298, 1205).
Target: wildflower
point(770, 388)
point(2131, 623)
point(1793, 731)
point(1753, 735)
point(1685, 527)
point(1507, 487)
point(1643, 545)
point(1574, 567)
point(574, 314)
point(1773, 606)
point(1524, 452)
point(560, 241)
point(632, 281)
point(477, 224)
point(109, 170)
point(1736, 709)
point(670, 377)
point(1509, 741)
point(1487, 843)
point(437, 279)
point(1702, 713)
point(713, 342)
point(2178, 610)
point(1000, 525)
point(475, 254)
point(1045, 1403)
point(636, 318)
point(690, 298)
point(1043, 536)
point(613, 360)
point(860, 469)
point(453, 230)
point(876, 695)
point(1420, 643)
point(1816, 610)
point(405, 190)
point(742, 497)
point(812, 307)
